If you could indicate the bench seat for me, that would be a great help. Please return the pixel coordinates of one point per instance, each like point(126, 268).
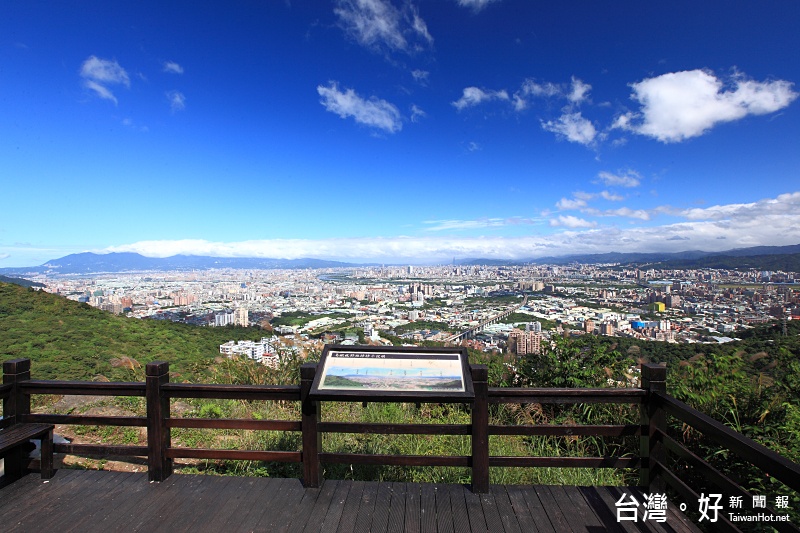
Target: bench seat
point(18, 434)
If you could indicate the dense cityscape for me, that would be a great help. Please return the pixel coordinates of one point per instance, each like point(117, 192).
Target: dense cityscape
point(490, 308)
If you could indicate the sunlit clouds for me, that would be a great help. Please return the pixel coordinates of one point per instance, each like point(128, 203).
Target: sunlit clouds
point(379, 25)
point(372, 112)
point(100, 75)
point(773, 220)
point(679, 105)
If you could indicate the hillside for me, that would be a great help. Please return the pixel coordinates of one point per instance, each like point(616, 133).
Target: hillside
point(784, 262)
point(71, 340)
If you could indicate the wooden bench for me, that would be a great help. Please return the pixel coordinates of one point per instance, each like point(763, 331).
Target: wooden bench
point(15, 436)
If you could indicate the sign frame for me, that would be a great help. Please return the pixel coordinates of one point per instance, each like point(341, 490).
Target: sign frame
point(454, 360)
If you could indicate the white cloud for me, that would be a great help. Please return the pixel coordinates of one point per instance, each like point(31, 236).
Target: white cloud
point(378, 24)
point(784, 205)
point(473, 146)
point(98, 74)
point(417, 113)
point(567, 203)
point(579, 91)
point(420, 76)
point(569, 221)
point(611, 197)
point(627, 212)
point(573, 127)
point(475, 5)
point(473, 96)
point(172, 67)
point(446, 225)
point(177, 100)
point(679, 105)
point(771, 221)
point(4, 256)
point(373, 112)
point(531, 87)
point(629, 178)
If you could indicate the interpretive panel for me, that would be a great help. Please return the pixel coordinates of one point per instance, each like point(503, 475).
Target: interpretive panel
point(366, 372)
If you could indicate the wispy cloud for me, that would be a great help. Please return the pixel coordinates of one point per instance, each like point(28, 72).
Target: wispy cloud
point(177, 101)
point(625, 212)
point(679, 105)
point(628, 178)
point(576, 93)
point(571, 203)
point(371, 112)
point(377, 24)
point(771, 221)
point(473, 96)
point(417, 113)
point(573, 127)
point(570, 221)
point(420, 76)
point(481, 223)
point(99, 74)
point(172, 67)
point(476, 5)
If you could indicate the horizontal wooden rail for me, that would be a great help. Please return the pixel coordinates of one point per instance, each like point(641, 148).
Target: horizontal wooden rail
point(234, 423)
point(568, 431)
point(566, 462)
point(394, 429)
point(395, 460)
point(101, 449)
point(749, 450)
point(88, 420)
point(5, 390)
point(178, 452)
point(232, 392)
point(86, 388)
point(533, 395)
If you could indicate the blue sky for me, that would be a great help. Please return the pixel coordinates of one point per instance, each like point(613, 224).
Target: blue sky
point(397, 131)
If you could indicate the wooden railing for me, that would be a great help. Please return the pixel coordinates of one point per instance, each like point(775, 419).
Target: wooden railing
point(762, 458)
point(655, 442)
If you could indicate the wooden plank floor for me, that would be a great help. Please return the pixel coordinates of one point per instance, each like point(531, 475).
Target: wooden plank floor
point(86, 501)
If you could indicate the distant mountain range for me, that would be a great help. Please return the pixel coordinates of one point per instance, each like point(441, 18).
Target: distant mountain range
point(760, 257)
point(91, 263)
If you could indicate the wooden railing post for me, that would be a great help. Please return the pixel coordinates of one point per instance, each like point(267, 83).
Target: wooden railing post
point(159, 466)
point(651, 448)
point(312, 439)
point(480, 429)
point(14, 408)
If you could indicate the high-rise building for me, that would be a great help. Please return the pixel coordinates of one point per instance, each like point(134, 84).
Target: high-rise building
point(524, 342)
point(241, 317)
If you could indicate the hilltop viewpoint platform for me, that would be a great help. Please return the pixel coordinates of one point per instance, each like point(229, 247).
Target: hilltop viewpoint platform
point(86, 501)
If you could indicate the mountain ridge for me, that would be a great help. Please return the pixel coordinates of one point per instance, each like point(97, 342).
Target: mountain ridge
point(115, 262)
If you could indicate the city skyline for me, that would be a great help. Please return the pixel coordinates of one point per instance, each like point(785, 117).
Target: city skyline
point(386, 131)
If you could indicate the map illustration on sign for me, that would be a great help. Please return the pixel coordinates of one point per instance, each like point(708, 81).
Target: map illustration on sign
point(393, 371)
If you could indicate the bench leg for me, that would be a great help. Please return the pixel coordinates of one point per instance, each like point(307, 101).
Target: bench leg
point(46, 461)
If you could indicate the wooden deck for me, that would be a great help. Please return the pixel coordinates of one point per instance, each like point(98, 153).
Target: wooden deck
point(85, 501)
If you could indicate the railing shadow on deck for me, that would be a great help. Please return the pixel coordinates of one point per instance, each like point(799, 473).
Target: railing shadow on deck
point(656, 444)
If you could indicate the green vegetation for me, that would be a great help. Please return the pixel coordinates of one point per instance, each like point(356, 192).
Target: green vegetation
point(515, 318)
point(420, 325)
point(340, 381)
point(70, 340)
